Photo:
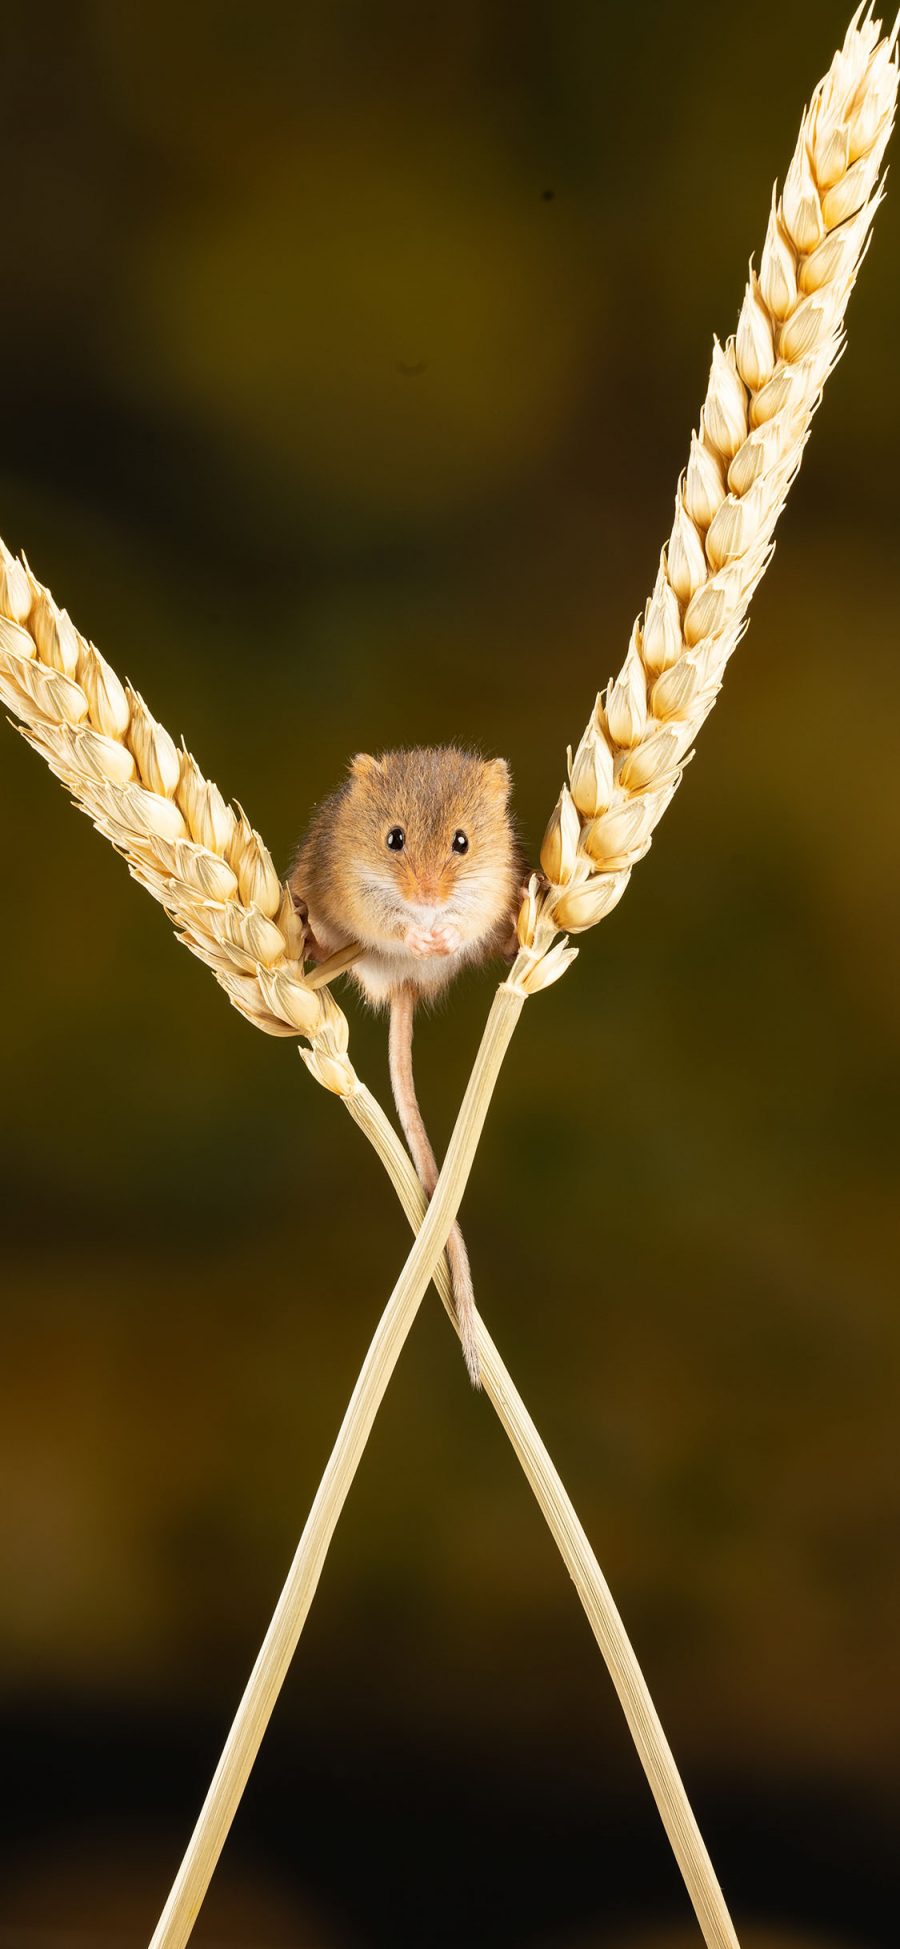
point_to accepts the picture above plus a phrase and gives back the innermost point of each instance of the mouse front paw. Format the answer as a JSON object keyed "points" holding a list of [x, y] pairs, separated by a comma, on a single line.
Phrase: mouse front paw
{"points": [[447, 939], [425, 942], [419, 942]]}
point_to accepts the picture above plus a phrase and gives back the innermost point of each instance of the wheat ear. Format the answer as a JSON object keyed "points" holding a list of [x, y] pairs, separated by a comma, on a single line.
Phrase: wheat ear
{"points": [[764, 386], [198, 856]]}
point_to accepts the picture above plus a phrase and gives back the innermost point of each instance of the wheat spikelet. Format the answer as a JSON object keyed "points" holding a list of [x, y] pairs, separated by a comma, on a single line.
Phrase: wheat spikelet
{"points": [[198, 856], [764, 386]]}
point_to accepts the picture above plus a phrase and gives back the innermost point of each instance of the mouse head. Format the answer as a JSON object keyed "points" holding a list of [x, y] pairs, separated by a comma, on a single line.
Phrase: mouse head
{"points": [[429, 833]]}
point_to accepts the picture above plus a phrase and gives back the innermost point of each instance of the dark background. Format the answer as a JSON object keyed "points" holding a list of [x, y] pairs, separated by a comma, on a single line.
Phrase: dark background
{"points": [[350, 355]]}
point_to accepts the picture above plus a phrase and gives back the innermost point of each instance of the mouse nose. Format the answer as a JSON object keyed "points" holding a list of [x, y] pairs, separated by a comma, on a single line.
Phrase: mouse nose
{"points": [[429, 890]]}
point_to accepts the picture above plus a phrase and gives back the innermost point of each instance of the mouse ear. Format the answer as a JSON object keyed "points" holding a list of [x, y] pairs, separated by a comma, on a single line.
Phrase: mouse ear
{"points": [[362, 765], [500, 775]]}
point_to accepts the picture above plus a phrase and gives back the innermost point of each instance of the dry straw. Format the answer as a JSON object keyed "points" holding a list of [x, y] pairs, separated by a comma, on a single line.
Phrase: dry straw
{"points": [[200, 858], [212, 873]]}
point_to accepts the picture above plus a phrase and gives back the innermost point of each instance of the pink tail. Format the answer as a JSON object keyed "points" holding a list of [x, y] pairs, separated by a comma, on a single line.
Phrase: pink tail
{"points": [[400, 1052]]}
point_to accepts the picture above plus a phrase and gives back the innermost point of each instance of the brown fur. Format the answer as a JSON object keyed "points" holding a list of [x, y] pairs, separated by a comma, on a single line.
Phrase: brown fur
{"points": [[421, 913], [431, 792]]}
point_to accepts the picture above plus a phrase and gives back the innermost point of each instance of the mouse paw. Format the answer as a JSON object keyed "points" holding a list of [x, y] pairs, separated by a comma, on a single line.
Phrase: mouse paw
{"points": [[419, 941], [425, 942], [447, 938]]}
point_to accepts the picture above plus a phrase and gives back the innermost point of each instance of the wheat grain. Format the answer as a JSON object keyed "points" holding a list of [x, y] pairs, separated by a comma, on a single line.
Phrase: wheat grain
{"points": [[198, 856], [764, 386]]}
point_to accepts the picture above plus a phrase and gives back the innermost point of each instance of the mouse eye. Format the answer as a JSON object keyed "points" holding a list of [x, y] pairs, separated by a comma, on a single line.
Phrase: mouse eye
{"points": [[460, 842], [395, 839]]}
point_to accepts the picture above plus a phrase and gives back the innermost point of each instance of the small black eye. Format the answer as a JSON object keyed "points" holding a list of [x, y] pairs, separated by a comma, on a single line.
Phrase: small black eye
{"points": [[460, 843], [395, 839]]}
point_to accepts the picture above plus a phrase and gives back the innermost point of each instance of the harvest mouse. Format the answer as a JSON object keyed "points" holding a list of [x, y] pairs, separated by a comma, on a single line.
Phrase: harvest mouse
{"points": [[415, 858]]}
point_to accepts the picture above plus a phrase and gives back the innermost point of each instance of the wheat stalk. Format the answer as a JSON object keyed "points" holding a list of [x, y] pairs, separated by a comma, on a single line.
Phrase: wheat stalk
{"points": [[574, 1547], [268, 1674], [432, 1223]]}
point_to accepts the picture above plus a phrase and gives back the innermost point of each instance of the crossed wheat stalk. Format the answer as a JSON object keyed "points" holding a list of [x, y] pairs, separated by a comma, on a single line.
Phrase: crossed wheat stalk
{"points": [[211, 871]]}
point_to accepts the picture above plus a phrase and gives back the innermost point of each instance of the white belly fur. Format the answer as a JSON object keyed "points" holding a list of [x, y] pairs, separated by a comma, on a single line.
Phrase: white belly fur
{"points": [[380, 970]]}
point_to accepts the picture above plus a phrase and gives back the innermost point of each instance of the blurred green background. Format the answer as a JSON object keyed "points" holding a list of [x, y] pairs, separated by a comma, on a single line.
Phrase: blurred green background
{"points": [[350, 355]]}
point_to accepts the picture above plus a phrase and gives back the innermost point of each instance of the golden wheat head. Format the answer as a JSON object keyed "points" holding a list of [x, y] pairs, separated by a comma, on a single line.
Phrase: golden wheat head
{"points": [[196, 854], [764, 386]]}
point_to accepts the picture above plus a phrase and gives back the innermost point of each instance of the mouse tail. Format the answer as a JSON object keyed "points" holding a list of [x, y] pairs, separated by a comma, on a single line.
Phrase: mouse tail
{"points": [[403, 1004]]}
